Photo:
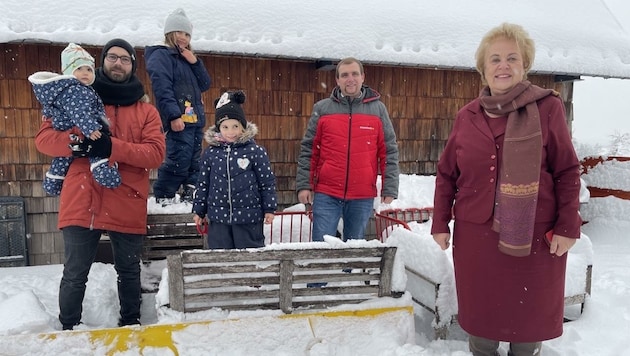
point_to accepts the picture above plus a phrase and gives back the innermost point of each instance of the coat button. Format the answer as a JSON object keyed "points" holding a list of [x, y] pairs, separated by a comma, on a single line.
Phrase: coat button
{"points": [[493, 156], [492, 168]]}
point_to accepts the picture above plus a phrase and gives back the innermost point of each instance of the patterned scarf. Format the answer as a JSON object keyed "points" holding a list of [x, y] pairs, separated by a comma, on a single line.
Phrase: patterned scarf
{"points": [[517, 189]]}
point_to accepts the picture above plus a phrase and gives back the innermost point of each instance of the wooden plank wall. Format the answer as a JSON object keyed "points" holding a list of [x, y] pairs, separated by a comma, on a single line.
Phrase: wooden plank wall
{"points": [[280, 97]]}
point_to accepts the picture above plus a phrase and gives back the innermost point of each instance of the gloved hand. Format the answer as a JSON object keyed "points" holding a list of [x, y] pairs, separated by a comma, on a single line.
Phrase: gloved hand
{"points": [[105, 126], [101, 147]]}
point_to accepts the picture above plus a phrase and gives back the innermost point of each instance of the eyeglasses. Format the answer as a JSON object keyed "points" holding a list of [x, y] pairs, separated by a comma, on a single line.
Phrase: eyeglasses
{"points": [[110, 57]]}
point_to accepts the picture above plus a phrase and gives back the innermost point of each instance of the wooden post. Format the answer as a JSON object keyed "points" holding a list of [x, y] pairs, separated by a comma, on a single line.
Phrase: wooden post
{"points": [[387, 269], [176, 282], [285, 290]]}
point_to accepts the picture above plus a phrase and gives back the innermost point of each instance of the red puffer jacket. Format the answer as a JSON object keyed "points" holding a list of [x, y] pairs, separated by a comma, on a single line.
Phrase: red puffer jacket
{"points": [[137, 146], [347, 144]]}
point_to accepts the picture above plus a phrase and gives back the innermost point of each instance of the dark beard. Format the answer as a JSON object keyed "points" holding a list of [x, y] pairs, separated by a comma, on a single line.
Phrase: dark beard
{"points": [[113, 92]]}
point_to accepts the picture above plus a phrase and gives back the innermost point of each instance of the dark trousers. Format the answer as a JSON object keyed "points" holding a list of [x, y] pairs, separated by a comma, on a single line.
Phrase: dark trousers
{"points": [[181, 164], [224, 236], [80, 247], [480, 346]]}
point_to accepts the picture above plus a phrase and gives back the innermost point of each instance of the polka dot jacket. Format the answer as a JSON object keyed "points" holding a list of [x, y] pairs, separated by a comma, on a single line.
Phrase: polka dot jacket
{"points": [[236, 184]]}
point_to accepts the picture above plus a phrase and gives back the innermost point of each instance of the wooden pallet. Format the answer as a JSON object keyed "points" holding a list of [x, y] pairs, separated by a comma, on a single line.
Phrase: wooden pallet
{"points": [[253, 279]]}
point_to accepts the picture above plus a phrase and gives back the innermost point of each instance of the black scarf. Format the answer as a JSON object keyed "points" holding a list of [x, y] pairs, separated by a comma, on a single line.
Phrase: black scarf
{"points": [[114, 93]]}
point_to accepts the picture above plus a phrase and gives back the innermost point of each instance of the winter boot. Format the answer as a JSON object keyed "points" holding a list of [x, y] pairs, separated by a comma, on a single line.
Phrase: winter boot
{"points": [[164, 202], [103, 173], [188, 193], [52, 184], [56, 174]]}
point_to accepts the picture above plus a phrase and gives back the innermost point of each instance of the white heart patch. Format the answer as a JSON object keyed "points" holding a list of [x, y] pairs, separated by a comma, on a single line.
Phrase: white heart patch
{"points": [[242, 162]]}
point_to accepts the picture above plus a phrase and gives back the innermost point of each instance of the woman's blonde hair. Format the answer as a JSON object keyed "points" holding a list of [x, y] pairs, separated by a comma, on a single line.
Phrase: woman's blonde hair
{"points": [[169, 40], [511, 32]]}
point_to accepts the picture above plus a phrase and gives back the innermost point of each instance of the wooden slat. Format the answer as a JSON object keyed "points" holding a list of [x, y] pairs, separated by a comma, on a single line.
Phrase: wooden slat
{"points": [[270, 255]]}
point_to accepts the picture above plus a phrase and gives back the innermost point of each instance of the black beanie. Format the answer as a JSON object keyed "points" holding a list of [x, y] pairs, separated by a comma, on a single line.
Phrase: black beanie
{"points": [[119, 42], [228, 106]]}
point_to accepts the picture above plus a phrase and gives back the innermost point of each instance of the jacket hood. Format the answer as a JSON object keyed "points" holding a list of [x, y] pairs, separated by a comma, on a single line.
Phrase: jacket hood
{"points": [[213, 138], [367, 94], [49, 85], [149, 50]]}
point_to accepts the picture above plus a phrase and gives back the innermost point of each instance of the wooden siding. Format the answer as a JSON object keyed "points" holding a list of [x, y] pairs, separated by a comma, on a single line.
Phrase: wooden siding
{"points": [[280, 95]]}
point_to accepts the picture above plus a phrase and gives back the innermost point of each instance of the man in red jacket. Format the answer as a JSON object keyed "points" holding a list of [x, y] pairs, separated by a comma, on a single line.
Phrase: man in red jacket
{"points": [[349, 141], [87, 209]]}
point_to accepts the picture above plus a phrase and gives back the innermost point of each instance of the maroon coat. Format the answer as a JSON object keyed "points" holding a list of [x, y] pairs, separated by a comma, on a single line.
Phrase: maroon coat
{"points": [[501, 297]]}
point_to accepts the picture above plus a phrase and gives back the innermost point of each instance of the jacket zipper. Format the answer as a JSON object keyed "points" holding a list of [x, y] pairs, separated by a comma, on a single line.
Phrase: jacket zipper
{"points": [[345, 187], [229, 180]]}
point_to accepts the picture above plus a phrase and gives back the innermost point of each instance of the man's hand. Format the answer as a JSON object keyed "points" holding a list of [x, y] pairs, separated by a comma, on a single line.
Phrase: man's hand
{"points": [[387, 200], [101, 147], [305, 196]]}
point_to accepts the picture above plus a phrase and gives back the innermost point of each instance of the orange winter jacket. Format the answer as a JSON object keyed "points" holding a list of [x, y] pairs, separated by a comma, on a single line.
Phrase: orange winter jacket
{"points": [[137, 146]]}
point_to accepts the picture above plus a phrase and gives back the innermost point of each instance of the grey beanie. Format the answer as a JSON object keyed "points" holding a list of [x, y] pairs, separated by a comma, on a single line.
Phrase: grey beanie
{"points": [[177, 21]]}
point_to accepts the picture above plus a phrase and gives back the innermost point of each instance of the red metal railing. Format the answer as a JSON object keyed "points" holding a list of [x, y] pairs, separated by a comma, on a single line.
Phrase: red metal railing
{"points": [[297, 226], [294, 226], [387, 220]]}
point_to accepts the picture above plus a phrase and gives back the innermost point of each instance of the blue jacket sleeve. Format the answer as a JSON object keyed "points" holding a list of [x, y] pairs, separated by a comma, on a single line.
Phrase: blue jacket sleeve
{"points": [[160, 68]]}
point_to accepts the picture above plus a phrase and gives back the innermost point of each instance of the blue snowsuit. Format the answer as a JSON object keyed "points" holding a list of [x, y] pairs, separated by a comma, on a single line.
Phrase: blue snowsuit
{"points": [[177, 86], [70, 103]]}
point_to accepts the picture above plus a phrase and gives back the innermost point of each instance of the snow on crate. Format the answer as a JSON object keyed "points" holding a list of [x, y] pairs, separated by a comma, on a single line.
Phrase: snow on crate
{"points": [[609, 174], [420, 253]]}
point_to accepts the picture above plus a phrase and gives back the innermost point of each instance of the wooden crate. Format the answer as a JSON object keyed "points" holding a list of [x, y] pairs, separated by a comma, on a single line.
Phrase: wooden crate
{"points": [[169, 234], [251, 279]]}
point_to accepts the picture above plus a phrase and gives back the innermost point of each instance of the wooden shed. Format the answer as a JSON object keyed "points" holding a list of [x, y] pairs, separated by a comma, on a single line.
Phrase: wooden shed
{"points": [[282, 84], [281, 93]]}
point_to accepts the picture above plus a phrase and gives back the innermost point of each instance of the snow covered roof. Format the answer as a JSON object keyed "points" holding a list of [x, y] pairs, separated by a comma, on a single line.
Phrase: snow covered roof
{"points": [[573, 38]]}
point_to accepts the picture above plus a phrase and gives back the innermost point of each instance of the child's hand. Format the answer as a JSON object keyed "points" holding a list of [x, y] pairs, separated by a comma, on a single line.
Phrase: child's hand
{"points": [[95, 135], [268, 218], [188, 55]]}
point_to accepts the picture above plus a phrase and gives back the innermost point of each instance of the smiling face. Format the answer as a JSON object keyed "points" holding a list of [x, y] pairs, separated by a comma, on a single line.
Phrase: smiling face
{"points": [[350, 79], [503, 65], [231, 130], [116, 70], [181, 39]]}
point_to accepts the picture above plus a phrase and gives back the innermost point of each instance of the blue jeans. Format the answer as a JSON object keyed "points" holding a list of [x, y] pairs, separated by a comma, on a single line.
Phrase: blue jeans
{"points": [[80, 247], [326, 213]]}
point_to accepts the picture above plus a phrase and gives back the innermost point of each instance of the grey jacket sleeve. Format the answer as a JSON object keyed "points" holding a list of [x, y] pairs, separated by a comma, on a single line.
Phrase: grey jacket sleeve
{"points": [[390, 178], [302, 181]]}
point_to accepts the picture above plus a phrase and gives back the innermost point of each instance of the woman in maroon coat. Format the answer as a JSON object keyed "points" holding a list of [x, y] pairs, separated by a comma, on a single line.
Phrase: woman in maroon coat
{"points": [[510, 177]]}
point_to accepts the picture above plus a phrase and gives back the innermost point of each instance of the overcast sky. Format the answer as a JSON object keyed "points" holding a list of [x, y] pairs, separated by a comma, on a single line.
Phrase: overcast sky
{"points": [[600, 109]]}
